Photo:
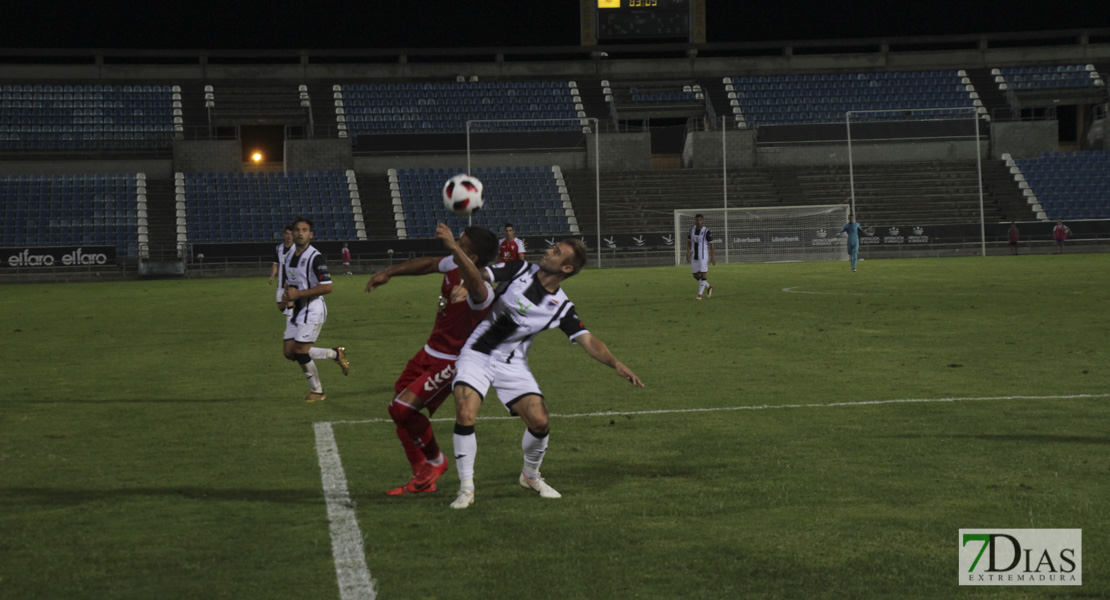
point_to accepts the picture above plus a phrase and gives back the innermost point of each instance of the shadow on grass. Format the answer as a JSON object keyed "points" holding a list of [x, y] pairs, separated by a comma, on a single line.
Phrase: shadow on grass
{"points": [[42, 496]]}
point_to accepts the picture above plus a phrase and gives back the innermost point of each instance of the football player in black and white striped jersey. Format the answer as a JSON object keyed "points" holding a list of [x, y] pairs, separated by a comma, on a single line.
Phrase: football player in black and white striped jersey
{"points": [[307, 282], [281, 256], [529, 300], [700, 254]]}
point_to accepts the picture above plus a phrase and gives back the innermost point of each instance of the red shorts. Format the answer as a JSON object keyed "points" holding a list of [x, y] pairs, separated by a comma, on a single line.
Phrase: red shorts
{"points": [[429, 378]]}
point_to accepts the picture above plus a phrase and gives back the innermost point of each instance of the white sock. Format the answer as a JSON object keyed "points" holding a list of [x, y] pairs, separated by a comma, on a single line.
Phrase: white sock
{"points": [[702, 284], [466, 446], [313, 376], [435, 462], [328, 353], [534, 449]]}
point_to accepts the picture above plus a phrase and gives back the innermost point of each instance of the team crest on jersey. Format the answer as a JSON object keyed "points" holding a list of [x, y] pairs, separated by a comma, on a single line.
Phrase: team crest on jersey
{"points": [[553, 303]]}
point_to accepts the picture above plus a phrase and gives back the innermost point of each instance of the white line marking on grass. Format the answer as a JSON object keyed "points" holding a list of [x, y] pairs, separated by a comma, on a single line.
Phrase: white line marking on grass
{"points": [[346, 538], [610, 413]]}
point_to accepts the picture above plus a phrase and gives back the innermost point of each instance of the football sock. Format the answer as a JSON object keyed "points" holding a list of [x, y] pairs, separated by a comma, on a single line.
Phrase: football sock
{"points": [[418, 428], [328, 353], [412, 451], [534, 447], [702, 284], [438, 460], [312, 375], [466, 446]]}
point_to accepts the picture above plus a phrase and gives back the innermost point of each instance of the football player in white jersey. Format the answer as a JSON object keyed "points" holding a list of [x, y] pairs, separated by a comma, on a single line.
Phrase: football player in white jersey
{"points": [[307, 282], [281, 256], [529, 301], [700, 254]]}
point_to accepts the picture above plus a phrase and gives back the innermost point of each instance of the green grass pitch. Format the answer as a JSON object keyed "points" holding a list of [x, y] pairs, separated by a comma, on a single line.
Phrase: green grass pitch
{"points": [[153, 443]]}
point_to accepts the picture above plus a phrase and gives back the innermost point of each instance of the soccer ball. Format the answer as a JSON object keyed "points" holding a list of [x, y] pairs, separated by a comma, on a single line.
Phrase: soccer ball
{"points": [[462, 194]]}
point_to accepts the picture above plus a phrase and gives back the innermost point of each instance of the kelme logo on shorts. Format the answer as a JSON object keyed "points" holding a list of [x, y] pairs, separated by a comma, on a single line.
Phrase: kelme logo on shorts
{"points": [[1021, 557]]}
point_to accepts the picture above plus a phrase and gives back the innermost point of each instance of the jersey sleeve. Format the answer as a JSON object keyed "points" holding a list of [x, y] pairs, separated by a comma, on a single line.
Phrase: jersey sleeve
{"points": [[508, 270], [277, 255], [520, 246], [490, 297], [446, 264], [320, 268], [708, 235], [571, 324]]}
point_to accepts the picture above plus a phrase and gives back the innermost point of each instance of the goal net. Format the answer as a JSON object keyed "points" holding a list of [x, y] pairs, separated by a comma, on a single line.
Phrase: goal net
{"points": [[772, 234], [918, 167]]}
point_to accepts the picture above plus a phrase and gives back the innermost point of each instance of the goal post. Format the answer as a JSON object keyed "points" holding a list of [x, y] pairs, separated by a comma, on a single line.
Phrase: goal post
{"points": [[767, 234], [916, 142]]}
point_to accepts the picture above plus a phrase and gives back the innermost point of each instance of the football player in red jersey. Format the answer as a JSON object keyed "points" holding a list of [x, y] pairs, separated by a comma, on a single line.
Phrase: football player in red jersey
{"points": [[426, 381], [509, 247]]}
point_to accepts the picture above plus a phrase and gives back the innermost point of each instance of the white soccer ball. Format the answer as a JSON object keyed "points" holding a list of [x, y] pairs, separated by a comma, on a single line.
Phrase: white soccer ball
{"points": [[462, 194]]}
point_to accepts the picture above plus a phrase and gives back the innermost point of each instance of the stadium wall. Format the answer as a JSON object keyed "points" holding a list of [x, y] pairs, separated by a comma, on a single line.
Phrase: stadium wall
{"points": [[705, 148], [621, 151], [868, 153], [378, 165], [318, 155], [1024, 139], [203, 156], [154, 169]]}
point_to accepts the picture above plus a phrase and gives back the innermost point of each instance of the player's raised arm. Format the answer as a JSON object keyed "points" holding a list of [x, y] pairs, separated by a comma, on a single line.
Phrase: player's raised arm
{"points": [[600, 352], [415, 266], [471, 277]]}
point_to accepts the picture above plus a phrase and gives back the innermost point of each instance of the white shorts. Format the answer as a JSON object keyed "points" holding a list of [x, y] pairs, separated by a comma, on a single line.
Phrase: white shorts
{"points": [[511, 380], [303, 333], [699, 265]]}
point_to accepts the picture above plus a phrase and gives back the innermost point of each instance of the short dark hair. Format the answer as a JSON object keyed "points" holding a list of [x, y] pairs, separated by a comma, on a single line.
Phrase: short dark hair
{"points": [[579, 259], [301, 219], [483, 243], [699, 216], [288, 228]]}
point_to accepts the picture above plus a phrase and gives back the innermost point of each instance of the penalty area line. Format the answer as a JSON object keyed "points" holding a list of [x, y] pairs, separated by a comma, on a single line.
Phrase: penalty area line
{"points": [[351, 571], [673, 411]]}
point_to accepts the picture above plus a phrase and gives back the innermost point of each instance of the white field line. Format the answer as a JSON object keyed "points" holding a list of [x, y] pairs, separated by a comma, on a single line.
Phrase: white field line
{"points": [[764, 407], [346, 538]]}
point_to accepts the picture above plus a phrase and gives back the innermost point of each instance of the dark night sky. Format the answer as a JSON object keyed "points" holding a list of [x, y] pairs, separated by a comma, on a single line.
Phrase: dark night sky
{"points": [[400, 24]]}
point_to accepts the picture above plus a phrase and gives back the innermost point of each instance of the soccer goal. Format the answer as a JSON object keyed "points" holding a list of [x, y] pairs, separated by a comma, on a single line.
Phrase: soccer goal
{"points": [[917, 166], [772, 234]]}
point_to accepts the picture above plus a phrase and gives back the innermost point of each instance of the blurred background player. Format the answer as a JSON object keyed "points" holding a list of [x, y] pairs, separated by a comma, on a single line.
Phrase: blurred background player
{"points": [[852, 230], [281, 254], [346, 252], [307, 282], [496, 355], [426, 381], [1013, 235], [1060, 235], [700, 254], [509, 247]]}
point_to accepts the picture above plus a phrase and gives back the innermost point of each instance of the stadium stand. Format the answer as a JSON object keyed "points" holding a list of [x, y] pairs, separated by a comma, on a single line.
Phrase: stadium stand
{"points": [[534, 199], [774, 99], [88, 117], [1055, 77], [438, 107], [74, 210], [1072, 185], [254, 207]]}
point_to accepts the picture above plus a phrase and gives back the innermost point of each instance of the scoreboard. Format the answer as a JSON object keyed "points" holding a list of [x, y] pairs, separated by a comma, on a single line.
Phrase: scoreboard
{"points": [[645, 20]]}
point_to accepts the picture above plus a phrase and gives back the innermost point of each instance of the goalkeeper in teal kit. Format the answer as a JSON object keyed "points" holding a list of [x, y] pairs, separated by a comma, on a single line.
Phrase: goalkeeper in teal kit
{"points": [[853, 230]]}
